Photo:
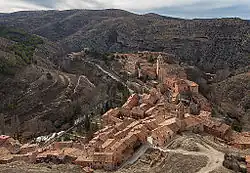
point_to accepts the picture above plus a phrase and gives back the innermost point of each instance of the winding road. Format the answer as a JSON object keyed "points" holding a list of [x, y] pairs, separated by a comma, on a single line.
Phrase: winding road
{"points": [[215, 158], [111, 75]]}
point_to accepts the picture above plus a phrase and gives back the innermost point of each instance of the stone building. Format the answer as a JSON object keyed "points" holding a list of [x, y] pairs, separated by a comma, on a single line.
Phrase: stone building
{"points": [[132, 101], [10, 144], [162, 135], [218, 129], [241, 140], [180, 111], [181, 85], [144, 70], [193, 124], [159, 68], [76, 56], [192, 86]]}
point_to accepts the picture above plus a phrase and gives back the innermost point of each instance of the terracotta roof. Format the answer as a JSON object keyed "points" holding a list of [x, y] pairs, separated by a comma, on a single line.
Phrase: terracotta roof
{"points": [[192, 121], [172, 124], [191, 83], [112, 112], [108, 143], [163, 130], [103, 157], [133, 124], [216, 125], [248, 159], [150, 124], [130, 138], [3, 137], [118, 146], [131, 102], [151, 110], [242, 138]]}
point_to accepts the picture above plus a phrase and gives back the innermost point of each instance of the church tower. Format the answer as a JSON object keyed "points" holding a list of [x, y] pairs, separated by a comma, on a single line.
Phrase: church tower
{"points": [[138, 72], [159, 68], [180, 110]]}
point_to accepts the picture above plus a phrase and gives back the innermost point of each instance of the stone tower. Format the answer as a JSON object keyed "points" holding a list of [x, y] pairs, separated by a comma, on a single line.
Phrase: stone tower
{"points": [[138, 72], [159, 67], [180, 110]]}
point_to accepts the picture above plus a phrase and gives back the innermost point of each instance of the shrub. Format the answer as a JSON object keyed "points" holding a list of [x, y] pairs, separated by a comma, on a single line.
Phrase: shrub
{"points": [[237, 127], [49, 76], [151, 59]]}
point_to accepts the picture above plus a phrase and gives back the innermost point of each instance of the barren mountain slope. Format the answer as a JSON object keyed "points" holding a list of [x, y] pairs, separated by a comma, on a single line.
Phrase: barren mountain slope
{"points": [[232, 96], [37, 97], [210, 44]]}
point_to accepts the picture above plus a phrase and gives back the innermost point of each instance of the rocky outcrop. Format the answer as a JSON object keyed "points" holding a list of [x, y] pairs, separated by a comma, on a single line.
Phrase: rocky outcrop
{"points": [[232, 161]]}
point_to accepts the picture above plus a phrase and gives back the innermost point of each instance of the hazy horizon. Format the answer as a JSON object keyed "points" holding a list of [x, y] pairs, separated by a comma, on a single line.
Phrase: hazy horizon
{"points": [[188, 9]]}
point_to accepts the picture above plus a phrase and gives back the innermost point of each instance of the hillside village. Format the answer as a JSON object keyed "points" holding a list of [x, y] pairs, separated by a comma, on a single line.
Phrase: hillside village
{"points": [[172, 105]]}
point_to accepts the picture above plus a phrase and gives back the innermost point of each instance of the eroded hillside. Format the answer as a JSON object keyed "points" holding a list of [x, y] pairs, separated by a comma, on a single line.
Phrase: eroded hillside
{"points": [[38, 98]]}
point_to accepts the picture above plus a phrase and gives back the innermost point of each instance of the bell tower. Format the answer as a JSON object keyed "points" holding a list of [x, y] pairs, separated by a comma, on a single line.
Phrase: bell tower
{"points": [[180, 110], [159, 67]]}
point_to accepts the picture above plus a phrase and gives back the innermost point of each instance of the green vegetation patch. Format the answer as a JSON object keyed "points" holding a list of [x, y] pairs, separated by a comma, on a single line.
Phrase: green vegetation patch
{"points": [[8, 65], [24, 47]]}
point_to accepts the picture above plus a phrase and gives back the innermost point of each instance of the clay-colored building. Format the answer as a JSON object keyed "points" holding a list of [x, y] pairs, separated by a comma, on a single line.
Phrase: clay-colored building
{"points": [[217, 129], [149, 99], [132, 101], [173, 123], [241, 140], [9, 143], [181, 85], [111, 117], [193, 124], [99, 160], [162, 135]]}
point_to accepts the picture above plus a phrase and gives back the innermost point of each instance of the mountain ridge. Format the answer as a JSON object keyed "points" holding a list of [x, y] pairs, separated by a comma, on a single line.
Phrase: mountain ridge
{"points": [[209, 44]]}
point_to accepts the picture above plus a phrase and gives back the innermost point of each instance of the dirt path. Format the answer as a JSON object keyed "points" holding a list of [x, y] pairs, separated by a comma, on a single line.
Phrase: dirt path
{"points": [[112, 76], [79, 80], [215, 161], [215, 158]]}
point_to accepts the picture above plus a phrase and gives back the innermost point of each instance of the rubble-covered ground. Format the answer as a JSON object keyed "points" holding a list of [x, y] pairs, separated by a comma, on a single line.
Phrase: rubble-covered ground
{"points": [[22, 167]]}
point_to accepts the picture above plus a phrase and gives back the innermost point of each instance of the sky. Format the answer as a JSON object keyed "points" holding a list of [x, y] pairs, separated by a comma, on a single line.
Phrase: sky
{"points": [[175, 8]]}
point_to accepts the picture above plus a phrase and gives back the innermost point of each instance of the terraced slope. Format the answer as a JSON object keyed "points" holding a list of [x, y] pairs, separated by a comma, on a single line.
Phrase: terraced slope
{"points": [[38, 98]]}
